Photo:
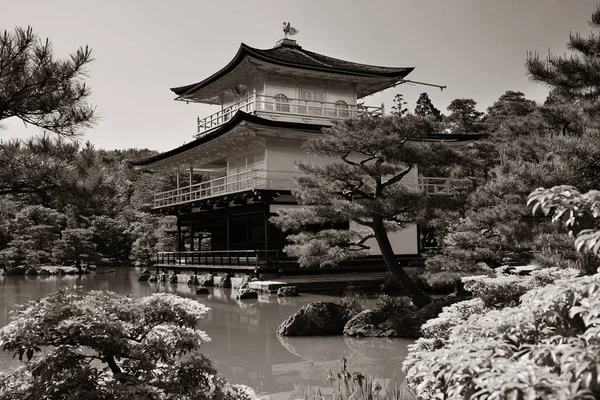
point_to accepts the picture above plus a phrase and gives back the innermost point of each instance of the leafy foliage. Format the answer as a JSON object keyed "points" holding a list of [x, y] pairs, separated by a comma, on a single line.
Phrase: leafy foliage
{"points": [[103, 345], [547, 347], [63, 202], [579, 213]]}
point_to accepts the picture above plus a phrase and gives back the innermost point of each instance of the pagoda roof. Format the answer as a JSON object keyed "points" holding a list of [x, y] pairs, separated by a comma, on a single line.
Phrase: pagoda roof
{"points": [[237, 119], [289, 54], [241, 117]]}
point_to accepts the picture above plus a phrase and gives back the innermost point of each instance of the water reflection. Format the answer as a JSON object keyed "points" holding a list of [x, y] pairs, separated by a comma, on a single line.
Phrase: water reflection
{"points": [[244, 346]]}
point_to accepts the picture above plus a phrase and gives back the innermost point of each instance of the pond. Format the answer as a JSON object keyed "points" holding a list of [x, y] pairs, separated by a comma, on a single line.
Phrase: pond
{"points": [[244, 347]]}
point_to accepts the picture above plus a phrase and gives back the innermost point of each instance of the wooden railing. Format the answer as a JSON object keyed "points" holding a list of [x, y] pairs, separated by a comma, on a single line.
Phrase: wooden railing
{"points": [[253, 179], [288, 106], [233, 258], [266, 179]]}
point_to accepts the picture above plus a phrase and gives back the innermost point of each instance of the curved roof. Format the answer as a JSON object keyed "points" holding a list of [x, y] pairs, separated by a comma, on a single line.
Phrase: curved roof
{"points": [[289, 54], [239, 117]]}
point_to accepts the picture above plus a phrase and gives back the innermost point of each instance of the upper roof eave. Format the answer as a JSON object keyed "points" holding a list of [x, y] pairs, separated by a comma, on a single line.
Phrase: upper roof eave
{"points": [[245, 51]]}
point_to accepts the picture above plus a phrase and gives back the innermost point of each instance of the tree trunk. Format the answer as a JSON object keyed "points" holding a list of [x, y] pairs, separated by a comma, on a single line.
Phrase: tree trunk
{"points": [[418, 296]]}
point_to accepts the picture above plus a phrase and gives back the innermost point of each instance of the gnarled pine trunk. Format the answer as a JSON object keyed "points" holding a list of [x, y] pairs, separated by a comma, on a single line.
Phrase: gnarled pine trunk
{"points": [[417, 295]]}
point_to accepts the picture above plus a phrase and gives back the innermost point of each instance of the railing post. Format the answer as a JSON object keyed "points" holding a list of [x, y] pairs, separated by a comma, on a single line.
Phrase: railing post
{"points": [[254, 99], [382, 109]]}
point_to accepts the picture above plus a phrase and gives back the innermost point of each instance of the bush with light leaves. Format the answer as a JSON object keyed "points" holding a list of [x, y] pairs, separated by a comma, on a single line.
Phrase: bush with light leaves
{"points": [[548, 347], [505, 289], [545, 347], [103, 345]]}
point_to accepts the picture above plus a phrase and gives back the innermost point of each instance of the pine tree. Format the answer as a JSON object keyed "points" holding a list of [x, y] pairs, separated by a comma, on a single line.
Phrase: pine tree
{"points": [[38, 88], [425, 108], [465, 115], [510, 105], [363, 185]]}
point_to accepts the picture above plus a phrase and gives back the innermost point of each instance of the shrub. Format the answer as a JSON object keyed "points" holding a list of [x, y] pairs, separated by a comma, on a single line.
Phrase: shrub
{"points": [[505, 290], [441, 282], [386, 303], [103, 345], [547, 347], [352, 303]]}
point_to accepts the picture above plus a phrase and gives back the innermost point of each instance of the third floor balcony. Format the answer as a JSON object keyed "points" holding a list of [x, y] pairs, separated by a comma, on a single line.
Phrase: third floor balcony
{"points": [[289, 109]]}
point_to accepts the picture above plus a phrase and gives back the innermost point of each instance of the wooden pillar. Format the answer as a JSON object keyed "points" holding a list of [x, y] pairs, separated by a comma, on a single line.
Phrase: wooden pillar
{"points": [[191, 235], [178, 244], [228, 223], [267, 211]]}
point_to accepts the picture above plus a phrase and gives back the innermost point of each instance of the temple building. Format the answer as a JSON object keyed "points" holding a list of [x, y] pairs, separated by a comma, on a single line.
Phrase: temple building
{"points": [[240, 167]]}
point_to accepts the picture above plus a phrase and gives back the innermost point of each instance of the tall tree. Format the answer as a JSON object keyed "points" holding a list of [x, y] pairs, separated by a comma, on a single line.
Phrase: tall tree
{"points": [[38, 88], [425, 108], [464, 114], [510, 105], [364, 185], [399, 107]]}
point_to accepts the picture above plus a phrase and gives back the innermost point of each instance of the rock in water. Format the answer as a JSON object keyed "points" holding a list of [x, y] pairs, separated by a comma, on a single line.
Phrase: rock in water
{"points": [[313, 319], [202, 290], [18, 270], [244, 294], [31, 271], [144, 276], [222, 281], [173, 278], [153, 278], [287, 291], [207, 280]]}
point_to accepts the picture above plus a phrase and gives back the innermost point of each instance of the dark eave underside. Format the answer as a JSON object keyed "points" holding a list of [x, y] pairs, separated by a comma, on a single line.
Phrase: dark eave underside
{"points": [[296, 57], [238, 118]]}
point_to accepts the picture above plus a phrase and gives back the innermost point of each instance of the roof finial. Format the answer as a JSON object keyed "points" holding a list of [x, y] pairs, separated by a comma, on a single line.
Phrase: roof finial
{"points": [[289, 30]]}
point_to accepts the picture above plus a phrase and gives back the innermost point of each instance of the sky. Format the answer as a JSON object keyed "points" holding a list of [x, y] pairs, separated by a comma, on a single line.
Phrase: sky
{"points": [[477, 48]]}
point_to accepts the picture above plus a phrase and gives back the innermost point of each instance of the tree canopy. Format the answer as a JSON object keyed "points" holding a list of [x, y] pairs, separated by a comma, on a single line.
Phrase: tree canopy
{"points": [[368, 182], [102, 345]]}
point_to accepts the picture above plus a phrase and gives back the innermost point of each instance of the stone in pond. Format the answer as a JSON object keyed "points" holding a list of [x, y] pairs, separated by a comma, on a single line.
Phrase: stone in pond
{"points": [[202, 290], [287, 291], [245, 294]]}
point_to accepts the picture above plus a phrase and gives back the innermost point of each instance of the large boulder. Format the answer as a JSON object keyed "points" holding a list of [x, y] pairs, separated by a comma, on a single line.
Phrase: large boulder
{"points": [[18, 270], [207, 280], [400, 322], [222, 281], [376, 322], [287, 291], [319, 318]]}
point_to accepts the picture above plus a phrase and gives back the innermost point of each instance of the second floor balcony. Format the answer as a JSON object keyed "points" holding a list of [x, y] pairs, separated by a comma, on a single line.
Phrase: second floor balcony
{"points": [[300, 110], [266, 180]]}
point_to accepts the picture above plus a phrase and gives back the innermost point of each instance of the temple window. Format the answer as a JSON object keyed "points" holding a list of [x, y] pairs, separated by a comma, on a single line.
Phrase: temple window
{"points": [[341, 109], [282, 103]]}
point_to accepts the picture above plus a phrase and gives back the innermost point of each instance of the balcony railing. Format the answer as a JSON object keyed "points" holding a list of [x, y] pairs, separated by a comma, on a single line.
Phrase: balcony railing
{"points": [[288, 106], [254, 179], [266, 179]]}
